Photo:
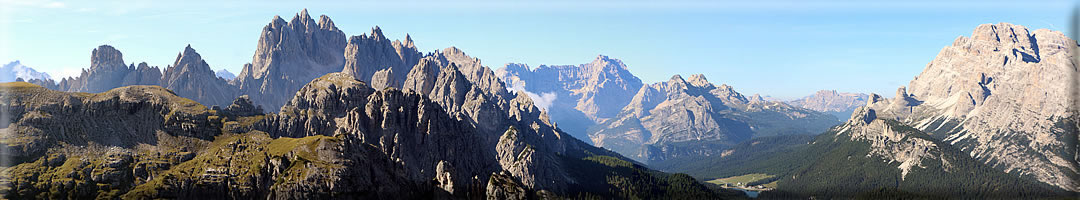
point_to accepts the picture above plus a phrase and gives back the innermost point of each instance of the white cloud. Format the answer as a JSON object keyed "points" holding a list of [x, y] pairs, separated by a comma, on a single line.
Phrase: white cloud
{"points": [[542, 101]]}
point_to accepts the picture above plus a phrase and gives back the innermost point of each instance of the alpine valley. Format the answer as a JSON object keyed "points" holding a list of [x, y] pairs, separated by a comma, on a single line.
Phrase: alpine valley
{"points": [[318, 115]]}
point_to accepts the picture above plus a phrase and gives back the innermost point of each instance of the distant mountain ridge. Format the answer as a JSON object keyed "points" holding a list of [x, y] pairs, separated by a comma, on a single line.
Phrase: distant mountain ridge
{"points": [[839, 104], [16, 70], [225, 74], [580, 95], [692, 117]]}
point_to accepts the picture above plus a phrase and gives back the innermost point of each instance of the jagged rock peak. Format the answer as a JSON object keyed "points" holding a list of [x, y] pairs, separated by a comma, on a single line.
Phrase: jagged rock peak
{"points": [[106, 57], [676, 78], [517, 67], [409, 41], [303, 13], [698, 80], [302, 18], [1002, 32], [326, 24], [455, 54], [188, 56], [874, 98], [605, 63], [376, 34]]}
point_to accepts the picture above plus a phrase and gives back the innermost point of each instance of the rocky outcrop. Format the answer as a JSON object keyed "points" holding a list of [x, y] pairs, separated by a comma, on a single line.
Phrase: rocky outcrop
{"points": [[289, 55], [576, 96], [369, 54], [190, 76], [692, 117], [123, 117], [839, 104], [1000, 96]]}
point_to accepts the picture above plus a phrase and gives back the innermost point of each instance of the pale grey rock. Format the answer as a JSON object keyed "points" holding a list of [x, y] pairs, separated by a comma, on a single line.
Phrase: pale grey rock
{"points": [[422, 77], [383, 78], [444, 175], [1000, 96], [367, 54], [502, 186], [289, 55], [191, 77]]}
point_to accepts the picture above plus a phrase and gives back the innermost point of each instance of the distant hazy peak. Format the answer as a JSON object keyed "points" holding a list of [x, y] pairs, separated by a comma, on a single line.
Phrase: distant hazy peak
{"points": [[225, 74], [14, 70]]}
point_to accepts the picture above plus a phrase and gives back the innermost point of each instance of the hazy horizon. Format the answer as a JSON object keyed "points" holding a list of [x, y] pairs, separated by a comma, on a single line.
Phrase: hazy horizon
{"points": [[783, 49]]}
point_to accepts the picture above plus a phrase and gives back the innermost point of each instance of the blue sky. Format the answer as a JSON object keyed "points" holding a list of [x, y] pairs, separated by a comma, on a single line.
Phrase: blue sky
{"points": [[784, 49]]}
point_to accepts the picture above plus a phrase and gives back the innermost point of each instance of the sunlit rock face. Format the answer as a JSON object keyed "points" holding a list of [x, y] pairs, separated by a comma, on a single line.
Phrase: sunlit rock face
{"points": [[290, 54], [1001, 96], [576, 96]]}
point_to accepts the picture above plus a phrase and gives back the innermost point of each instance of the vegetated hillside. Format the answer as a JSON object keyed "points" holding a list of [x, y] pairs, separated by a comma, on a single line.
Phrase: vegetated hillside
{"points": [[744, 157]]}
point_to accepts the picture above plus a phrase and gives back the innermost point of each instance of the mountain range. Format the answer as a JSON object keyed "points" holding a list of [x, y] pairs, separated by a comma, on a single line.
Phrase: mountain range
{"points": [[995, 100], [317, 114], [437, 126], [839, 104]]}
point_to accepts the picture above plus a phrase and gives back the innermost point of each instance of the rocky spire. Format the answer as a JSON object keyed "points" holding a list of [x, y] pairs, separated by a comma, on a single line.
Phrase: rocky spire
{"points": [[289, 54], [191, 77], [106, 58], [365, 55]]}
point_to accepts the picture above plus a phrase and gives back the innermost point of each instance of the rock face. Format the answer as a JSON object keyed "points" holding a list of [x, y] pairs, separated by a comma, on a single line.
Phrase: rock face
{"points": [[838, 104], [692, 117], [191, 77], [16, 70], [1000, 96], [576, 96], [289, 55], [107, 71], [371, 55]]}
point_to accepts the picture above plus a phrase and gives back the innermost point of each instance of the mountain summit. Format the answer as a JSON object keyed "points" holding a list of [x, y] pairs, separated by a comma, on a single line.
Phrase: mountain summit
{"points": [[579, 96], [1001, 95], [290, 54]]}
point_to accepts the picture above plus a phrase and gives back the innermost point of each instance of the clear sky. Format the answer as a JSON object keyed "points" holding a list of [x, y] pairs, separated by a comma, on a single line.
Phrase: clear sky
{"points": [[784, 49]]}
